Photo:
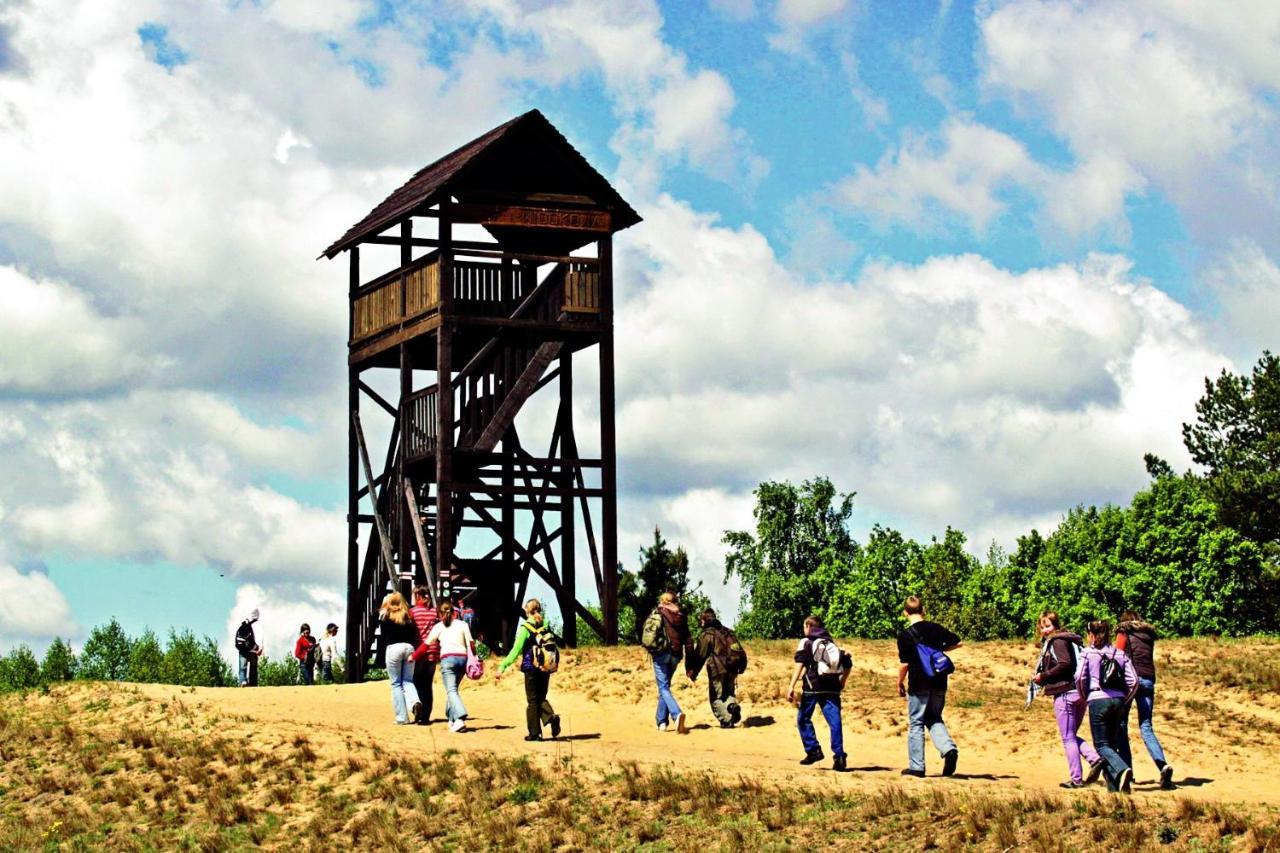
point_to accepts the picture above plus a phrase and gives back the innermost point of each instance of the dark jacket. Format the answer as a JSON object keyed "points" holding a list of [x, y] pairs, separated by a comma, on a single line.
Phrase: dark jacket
{"points": [[814, 683], [1138, 640], [245, 641], [1057, 665], [677, 628], [709, 649], [390, 633]]}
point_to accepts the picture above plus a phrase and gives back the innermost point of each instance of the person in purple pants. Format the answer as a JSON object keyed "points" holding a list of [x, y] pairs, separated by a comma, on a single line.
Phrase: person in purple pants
{"points": [[1055, 673]]}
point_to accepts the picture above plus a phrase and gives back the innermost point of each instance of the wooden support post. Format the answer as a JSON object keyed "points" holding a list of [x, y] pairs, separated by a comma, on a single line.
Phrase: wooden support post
{"points": [[411, 503], [444, 413], [384, 538], [510, 586], [608, 448], [568, 452], [354, 664]]}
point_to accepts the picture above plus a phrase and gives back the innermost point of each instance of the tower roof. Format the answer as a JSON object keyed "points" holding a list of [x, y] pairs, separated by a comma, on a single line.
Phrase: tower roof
{"points": [[526, 153]]}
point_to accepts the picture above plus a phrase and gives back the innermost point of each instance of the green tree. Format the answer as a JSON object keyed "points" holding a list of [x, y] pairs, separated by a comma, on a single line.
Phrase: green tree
{"points": [[285, 673], [146, 659], [194, 663], [868, 601], [106, 654], [19, 670], [1236, 437], [59, 663], [661, 569], [800, 550]]}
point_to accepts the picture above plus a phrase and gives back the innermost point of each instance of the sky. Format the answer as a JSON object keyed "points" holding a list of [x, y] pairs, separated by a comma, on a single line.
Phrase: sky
{"points": [[968, 260]]}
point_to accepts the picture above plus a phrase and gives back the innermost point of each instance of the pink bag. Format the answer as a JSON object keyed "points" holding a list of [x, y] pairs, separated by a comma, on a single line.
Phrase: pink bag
{"points": [[475, 666]]}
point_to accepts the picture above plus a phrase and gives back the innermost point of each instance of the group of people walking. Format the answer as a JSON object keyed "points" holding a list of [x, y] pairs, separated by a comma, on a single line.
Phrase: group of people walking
{"points": [[307, 651], [1087, 677]]}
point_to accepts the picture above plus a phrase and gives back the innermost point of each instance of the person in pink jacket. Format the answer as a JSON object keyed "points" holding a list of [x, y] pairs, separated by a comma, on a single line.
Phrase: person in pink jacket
{"points": [[1056, 675], [1108, 682]]}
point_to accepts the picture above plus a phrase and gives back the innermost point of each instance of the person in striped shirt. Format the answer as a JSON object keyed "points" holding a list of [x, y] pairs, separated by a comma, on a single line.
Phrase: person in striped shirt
{"points": [[424, 616]]}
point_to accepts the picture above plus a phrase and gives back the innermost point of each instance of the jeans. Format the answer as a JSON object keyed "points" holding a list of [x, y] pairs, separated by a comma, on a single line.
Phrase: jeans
{"points": [[249, 670], [538, 711], [400, 671], [1145, 700], [830, 704], [720, 691], [924, 711], [424, 672], [664, 666], [326, 669], [1070, 709], [1105, 718], [308, 671], [452, 670]]}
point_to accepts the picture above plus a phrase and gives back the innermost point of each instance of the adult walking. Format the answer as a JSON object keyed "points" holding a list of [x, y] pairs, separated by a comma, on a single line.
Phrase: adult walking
{"points": [[249, 650], [724, 658], [454, 638], [665, 636], [822, 668], [397, 638], [1137, 639], [304, 649], [925, 692], [1109, 682], [328, 651], [537, 681], [1055, 673], [425, 660]]}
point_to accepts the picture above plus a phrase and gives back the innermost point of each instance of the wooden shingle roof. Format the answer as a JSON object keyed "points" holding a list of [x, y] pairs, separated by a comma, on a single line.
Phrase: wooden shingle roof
{"points": [[433, 181]]}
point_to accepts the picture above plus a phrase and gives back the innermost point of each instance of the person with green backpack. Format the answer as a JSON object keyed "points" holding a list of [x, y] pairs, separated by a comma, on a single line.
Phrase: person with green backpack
{"points": [[725, 659], [535, 646], [665, 636]]}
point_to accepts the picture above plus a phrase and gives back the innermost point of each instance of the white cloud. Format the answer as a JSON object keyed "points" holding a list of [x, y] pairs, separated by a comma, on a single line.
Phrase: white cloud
{"points": [[32, 609], [798, 19], [1246, 285]]}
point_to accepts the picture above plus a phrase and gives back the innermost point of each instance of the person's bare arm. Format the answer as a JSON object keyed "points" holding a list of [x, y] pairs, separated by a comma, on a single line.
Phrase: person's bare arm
{"points": [[795, 678], [903, 669]]}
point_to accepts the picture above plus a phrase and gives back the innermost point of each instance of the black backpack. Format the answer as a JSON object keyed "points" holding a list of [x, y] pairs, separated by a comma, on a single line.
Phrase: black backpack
{"points": [[1111, 675]]}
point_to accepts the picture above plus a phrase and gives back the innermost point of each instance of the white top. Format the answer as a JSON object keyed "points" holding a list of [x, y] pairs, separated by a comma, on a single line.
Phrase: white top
{"points": [[329, 647], [454, 638]]}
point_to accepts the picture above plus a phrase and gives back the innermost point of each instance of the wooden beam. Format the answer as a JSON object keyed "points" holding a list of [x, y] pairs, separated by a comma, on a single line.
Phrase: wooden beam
{"points": [[377, 398], [368, 476], [429, 569]]}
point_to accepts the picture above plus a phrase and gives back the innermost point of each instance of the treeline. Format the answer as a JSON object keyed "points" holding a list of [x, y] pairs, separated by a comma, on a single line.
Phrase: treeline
{"points": [[1195, 554], [109, 654]]}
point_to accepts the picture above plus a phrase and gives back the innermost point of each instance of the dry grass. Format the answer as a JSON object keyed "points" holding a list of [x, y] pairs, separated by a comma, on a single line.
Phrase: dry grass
{"points": [[97, 766]]}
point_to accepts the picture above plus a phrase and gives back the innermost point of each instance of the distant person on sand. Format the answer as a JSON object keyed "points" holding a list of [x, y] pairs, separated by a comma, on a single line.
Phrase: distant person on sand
{"points": [[454, 638], [305, 651], [822, 669], [397, 638], [1109, 682], [1137, 639], [665, 635], [427, 654], [328, 651], [535, 646], [925, 691], [725, 660], [250, 651], [1056, 675]]}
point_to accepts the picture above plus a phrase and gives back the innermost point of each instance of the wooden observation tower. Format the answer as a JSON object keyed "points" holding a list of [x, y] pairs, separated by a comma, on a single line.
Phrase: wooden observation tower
{"points": [[500, 259]]}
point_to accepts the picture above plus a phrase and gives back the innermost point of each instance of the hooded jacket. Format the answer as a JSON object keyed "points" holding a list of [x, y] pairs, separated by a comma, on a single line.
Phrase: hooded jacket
{"points": [[1057, 666], [1138, 640], [677, 628]]}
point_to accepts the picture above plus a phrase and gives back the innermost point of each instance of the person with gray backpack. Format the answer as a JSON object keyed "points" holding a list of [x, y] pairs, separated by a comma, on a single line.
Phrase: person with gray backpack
{"points": [[725, 659], [665, 636], [922, 680], [822, 667], [535, 646]]}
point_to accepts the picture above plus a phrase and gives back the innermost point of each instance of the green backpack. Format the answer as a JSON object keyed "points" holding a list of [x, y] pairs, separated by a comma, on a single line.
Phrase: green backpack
{"points": [[653, 636]]}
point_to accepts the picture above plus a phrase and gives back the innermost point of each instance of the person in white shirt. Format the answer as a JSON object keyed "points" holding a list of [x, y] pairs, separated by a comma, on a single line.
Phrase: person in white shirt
{"points": [[454, 637], [329, 651]]}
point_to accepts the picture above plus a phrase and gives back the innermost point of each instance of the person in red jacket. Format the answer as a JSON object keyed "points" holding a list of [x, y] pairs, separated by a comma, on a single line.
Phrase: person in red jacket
{"points": [[305, 651], [425, 659]]}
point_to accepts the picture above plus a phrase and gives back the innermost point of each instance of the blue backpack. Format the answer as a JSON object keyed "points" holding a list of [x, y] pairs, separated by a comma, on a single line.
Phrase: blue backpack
{"points": [[933, 661]]}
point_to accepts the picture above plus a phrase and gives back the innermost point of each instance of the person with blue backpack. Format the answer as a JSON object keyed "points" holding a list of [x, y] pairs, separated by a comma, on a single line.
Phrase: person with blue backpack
{"points": [[1108, 681], [922, 680], [535, 647], [1056, 671]]}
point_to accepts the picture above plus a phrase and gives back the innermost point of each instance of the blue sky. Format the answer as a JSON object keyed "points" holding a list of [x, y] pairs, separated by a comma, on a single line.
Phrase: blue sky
{"points": [[969, 260]]}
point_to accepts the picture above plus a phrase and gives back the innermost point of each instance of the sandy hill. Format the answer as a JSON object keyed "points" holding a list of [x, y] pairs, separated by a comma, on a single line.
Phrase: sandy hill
{"points": [[93, 765]]}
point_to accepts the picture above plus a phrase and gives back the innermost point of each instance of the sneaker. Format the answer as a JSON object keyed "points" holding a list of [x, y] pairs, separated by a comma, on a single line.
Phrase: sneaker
{"points": [[416, 713], [1166, 778], [726, 725], [838, 763], [533, 737], [949, 762], [812, 757], [1125, 782], [1095, 770], [919, 774], [457, 725], [680, 726], [662, 727], [735, 714], [1073, 784], [555, 725]]}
